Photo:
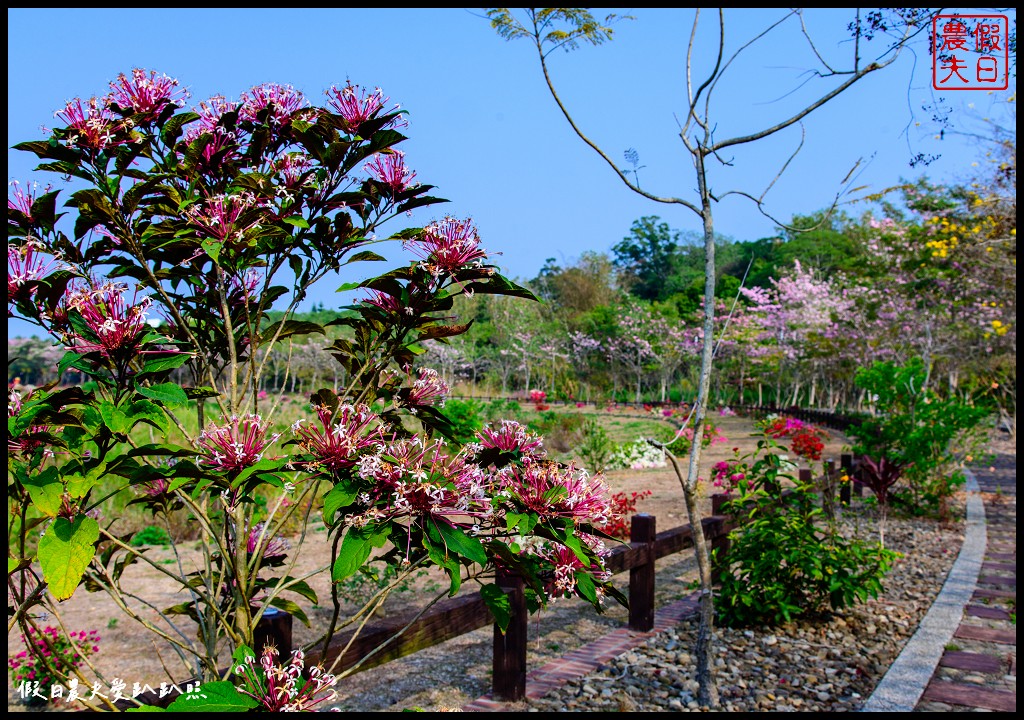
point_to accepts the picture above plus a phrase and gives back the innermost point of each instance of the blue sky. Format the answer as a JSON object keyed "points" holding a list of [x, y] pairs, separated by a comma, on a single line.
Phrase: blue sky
{"points": [[483, 128]]}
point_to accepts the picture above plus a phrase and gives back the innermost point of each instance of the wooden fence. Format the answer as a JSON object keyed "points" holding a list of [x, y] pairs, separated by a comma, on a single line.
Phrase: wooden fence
{"points": [[397, 637]]}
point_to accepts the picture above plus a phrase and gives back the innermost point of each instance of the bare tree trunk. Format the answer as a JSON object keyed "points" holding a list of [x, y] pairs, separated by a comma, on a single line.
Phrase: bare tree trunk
{"points": [[708, 694]]}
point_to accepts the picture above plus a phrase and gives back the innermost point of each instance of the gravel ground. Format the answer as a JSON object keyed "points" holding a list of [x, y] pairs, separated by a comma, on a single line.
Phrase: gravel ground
{"points": [[831, 665]]}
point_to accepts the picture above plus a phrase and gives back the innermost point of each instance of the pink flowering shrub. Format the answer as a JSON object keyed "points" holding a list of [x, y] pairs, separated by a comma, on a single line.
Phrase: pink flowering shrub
{"points": [[194, 237], [537, 397], [51, 656]]}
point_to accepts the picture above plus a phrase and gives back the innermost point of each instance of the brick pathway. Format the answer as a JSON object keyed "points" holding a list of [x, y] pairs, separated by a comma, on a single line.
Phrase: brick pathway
{"points": [[587, 659], [978, 669]]}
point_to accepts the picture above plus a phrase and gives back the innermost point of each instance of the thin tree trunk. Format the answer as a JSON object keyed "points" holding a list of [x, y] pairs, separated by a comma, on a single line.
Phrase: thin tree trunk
{"points": [[708, 694]]}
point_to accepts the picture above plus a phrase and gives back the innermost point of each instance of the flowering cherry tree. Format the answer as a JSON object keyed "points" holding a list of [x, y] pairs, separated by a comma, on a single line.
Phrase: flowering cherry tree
{"points": [[186, 227]]}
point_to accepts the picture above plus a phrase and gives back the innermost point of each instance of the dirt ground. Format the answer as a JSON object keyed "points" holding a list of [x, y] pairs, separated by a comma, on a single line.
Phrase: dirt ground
{"points": [[130, 653]]}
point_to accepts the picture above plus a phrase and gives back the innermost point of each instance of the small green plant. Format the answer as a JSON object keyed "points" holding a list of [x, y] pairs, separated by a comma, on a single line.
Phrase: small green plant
{"points": [[151, 535], [919, 432], [464, 418], [502, 409], [953, 647], [595, 450], [781, 563], [111, 623], [561, 432]]}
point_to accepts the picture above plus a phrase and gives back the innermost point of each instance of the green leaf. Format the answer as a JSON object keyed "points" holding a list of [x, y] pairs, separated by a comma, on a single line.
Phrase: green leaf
{"points": [[173, 127], [78, 486], [212, 248], [65, 550], [71, 359], [297, 221], [585, 586], [335, 499], [291, 608], [288, 328], [462, 544], [365, 256], [144, 410], [356, 548], [164, 362], [211, 697], [499, 605], [169, 394], [241, 655], [46, 490], [198, 393]]}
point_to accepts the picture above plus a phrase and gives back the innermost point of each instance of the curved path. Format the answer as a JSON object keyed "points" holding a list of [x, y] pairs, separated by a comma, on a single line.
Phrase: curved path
{"points": [[964, 653]]}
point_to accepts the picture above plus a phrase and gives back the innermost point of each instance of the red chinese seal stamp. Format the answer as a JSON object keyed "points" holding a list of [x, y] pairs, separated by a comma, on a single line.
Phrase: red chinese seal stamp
{"points": [[970, 52]]}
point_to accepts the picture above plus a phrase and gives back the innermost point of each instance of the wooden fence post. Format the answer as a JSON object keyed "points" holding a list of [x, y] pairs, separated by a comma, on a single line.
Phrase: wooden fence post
{"points": [[509, 666], [805, 476], [828, 489], [642, 576], [846, 464], [858, 484], [274, 629]]}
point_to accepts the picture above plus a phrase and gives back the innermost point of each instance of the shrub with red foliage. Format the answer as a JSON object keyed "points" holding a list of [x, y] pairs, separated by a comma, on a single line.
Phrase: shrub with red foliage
{"points": [[623, 508]]}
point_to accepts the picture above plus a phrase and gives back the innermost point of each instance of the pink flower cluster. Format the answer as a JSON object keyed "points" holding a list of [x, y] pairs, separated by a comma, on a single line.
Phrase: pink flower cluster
{"points": [[448, 246], [728, 474], [389, 169], [51, 646], [414, 478], [355, 105], [235, 445], [566, 564], [281, 688], [512, 437], [552, 491], [341, 438], [27, 264], [114, 325], [146, 94], [428, 388]]}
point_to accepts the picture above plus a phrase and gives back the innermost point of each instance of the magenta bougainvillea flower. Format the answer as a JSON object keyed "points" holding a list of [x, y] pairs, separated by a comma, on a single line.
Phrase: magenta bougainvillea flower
{"points": [[237, 444]]}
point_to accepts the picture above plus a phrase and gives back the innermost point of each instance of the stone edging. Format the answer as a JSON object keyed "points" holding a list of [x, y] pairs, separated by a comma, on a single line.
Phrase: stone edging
{"points": [[905, 682]]}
